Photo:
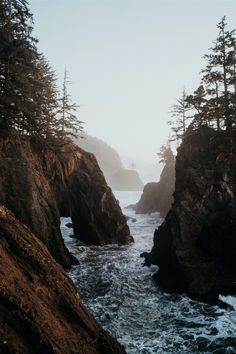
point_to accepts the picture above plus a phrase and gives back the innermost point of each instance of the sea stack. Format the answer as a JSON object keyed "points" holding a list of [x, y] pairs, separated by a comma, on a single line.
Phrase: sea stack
{"points": [[195, 246]]}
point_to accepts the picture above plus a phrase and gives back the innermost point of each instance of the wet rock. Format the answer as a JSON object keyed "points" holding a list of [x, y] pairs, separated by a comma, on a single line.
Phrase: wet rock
{"points": [[195, 246], [69, 225], [144, 254], [129, 218], [40, 308], [39, 186]]}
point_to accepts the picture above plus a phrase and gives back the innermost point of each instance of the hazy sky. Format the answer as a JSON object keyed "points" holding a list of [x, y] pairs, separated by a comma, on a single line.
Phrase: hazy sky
{"points": [[129, 61]]}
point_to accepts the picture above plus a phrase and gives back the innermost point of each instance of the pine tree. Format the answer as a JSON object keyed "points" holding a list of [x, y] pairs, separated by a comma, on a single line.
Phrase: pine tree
{"points": [[180, 114], [233, 79], [218, 74], [47, 100], [69, 124], [18, 55], [166, 154], [199, 104]]}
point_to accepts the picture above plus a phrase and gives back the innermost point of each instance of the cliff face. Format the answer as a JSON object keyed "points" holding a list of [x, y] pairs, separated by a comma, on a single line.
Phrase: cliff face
{"points": [[39, 305], [158, 196], [195, 246], [40, 186]]}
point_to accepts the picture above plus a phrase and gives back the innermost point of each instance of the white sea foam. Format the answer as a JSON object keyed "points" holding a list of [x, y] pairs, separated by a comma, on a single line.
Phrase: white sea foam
{"points": [[121, 294]]}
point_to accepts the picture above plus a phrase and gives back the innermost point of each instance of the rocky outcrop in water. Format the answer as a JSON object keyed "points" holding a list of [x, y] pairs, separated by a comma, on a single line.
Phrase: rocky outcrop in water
{"points": [[108, 158], [117, 177], [40, 308], [158, 196], [39, 186], [195, 246], [126, 180]]}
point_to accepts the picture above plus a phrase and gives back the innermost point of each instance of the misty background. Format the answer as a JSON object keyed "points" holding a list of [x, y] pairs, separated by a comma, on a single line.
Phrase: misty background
{"points": [[128, 61]]}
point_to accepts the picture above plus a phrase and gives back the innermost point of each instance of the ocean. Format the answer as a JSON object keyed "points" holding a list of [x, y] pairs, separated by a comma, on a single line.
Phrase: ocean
{"points": [[120, 293]]}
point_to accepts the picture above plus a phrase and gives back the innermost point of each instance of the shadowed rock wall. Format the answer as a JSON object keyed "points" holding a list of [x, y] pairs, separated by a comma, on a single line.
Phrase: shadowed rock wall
{"points": [[195, 246], [40, 309], [39, 186]]}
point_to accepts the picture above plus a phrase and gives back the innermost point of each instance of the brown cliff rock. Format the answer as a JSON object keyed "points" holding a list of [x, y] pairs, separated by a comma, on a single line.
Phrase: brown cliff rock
{"points": [[40, 309], [195, 246], [39, 186]]}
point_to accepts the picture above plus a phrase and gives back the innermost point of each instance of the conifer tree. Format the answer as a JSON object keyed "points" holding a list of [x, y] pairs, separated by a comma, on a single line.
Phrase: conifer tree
{"points": [[17, 66], [218, 73], [69, 124], [179, 113], [233, 78], [199, 104], [47, 100], [166, 154]]}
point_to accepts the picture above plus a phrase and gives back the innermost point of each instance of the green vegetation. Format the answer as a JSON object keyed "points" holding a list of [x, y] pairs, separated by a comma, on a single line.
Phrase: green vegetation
{"points": [[214, 101], [30, 102], [165, 154]]}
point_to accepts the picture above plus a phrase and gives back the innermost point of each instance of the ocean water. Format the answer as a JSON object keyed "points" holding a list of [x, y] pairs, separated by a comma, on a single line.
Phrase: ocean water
{"points": [[120, 292]]}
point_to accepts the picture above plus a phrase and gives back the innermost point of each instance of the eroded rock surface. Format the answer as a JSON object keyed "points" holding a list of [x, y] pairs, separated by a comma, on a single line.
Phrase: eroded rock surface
{"points": [[195, 246], [40, 309], [39, 186]]}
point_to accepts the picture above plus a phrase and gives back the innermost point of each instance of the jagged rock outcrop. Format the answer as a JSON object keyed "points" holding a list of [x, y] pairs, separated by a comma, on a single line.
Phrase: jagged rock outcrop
{"points": [[195, 246], [158, 196], [40, 309], [40, 186], [126, 180], [108, 158], [117, 177]]}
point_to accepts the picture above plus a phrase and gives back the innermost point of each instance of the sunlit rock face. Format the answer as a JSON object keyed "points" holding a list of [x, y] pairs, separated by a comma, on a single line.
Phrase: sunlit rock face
{"points": [[158, 196], [40, 308], [39, 186], [195, 246]]}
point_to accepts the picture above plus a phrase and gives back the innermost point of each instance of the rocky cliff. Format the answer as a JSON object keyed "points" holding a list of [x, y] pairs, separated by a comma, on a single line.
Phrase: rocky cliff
{"points": [[39, 186], [158, 196], [117, 177], [195, 246], [108, 158], [40, 308]]}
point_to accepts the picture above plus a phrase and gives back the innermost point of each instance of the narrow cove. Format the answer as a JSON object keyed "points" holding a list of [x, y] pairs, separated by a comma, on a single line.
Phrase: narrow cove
{"points": [[122, 296]]}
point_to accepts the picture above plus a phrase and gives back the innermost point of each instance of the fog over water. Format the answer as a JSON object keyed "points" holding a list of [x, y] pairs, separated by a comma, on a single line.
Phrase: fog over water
{"points": [[128, 61]]}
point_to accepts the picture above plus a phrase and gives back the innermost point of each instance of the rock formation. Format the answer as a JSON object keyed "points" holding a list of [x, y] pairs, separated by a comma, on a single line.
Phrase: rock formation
{"points": [[195, 246], [40, 186], [158, 196], [108, 158], [126, 180], [117, 177], [40, 308]]}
